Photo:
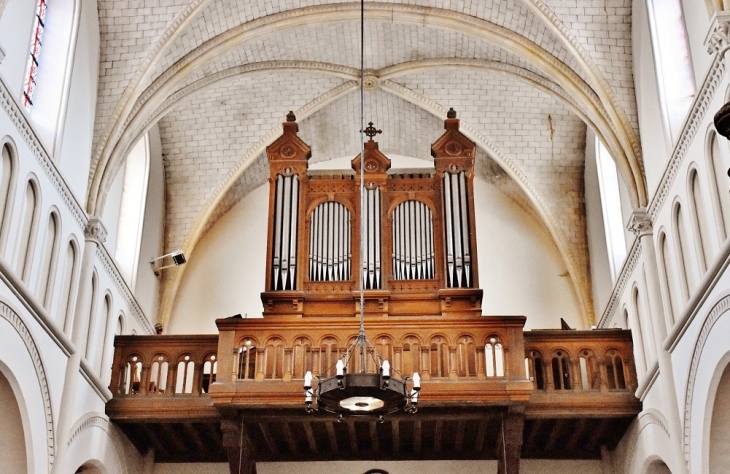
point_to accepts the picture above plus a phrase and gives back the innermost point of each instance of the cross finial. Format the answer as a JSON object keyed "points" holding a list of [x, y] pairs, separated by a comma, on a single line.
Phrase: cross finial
{"points": [[371, 131]]}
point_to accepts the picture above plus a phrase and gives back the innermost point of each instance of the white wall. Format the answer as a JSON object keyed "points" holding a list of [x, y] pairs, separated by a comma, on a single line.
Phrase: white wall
{"points": [[521, 270], [601, 283], [147, 284], [75, 153], [15, 31]]}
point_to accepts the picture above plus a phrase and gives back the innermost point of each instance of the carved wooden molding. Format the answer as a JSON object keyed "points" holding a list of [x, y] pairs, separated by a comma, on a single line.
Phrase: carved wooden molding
{"points": [[7, 313]]}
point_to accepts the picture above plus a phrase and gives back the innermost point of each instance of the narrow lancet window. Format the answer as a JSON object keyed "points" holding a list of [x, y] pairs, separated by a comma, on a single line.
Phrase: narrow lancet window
{"points": [[39, 24]]}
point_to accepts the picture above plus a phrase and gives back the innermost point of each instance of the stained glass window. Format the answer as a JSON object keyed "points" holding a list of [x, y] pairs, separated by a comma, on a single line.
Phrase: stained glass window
{"points": [[35, 50]]}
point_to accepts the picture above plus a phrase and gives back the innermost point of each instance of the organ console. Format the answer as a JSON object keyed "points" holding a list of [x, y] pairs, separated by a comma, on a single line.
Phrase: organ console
{"points": [[419, 256]]}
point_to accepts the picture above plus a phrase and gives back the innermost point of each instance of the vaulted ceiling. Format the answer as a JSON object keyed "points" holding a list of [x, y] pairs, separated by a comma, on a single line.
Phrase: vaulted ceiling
{"points": [[527, 77]]}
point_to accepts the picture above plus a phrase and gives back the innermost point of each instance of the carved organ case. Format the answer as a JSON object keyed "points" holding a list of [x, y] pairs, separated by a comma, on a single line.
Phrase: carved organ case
{"points": [[419, 256]]}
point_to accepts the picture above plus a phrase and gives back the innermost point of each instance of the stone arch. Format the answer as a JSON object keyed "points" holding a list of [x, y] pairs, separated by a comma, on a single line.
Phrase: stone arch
{"points": [[578, 276], [627, 156], [8, 314], [720, 308], [87, 427]]}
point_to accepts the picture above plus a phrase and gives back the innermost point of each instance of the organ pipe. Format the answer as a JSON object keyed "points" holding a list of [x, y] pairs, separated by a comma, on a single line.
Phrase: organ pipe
{"points": [[284, 256], [413, 247], [329, 242], [458, 247]]}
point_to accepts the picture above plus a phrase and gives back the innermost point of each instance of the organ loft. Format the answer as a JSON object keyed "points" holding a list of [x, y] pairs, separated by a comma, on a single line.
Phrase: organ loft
{"points": [[490, 390]]}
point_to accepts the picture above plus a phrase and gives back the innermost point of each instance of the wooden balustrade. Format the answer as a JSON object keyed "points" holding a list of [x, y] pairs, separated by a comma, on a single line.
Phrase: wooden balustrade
{"points": [[586, 370], [481, 357], [163, 366]]}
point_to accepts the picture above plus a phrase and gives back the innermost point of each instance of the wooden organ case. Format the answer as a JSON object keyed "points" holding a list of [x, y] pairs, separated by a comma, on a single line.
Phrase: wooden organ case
{"points": [[420, 253]]}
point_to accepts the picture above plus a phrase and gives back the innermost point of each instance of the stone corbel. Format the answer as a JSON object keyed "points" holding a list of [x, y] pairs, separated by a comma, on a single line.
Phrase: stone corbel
{"points": [[640, 223], [718, 37], [95, 230]]}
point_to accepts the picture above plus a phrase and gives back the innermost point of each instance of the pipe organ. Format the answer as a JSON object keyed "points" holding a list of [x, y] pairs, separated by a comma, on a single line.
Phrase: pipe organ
{"points": [[422, 222]]}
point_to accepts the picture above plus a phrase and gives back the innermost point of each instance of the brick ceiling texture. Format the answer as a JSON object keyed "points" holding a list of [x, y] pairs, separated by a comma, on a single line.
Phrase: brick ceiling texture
{"points": [[218, 76]]}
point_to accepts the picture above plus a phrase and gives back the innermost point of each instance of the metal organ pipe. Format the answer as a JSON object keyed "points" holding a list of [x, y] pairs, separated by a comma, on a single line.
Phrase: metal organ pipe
{"points": [[458, 247], [413, 241], [286, 203], [329, 243]]}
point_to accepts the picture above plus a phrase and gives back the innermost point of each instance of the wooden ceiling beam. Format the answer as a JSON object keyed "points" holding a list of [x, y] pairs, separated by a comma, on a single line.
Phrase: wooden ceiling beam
{"points": [[459, 441], [311, 440], [576, 435], [289, 437], [268, 439], [159, 447], [437, 436], [352, 435], [193, 434], [331, 435], [554, 435], [481, 435], [396, 436], [417, 436], [374, 441]]}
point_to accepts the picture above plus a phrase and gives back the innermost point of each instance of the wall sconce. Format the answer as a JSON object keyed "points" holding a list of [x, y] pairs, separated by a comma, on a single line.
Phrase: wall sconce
{"points": [[177, 256]]}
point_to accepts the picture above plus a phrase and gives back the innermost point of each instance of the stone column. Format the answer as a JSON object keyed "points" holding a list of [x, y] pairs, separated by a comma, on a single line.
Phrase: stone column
{"points": [[642, 226], [94, 234]]}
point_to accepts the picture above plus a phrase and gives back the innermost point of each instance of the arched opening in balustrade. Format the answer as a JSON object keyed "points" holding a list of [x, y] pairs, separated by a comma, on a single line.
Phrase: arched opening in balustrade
{"points": [[159, 373], [535, 368], [328, 356], [439, 357], [91, 330], [640, 343], [411, 355], [384, 349], [13, 455], [494, 357], [560, 365], [274, 358], [247, 360], [210, 369], [130, 376], [615, 370], [466, 356], [590, 376], [185, 375], [302, 355]]}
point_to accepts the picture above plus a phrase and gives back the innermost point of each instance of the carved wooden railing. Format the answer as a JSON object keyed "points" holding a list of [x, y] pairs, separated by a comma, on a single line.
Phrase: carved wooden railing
{"points": [[581, 370], [483, 360], [164, 366], [480, 359]]}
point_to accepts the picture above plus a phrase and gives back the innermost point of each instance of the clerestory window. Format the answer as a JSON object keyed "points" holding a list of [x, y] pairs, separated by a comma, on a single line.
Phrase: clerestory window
{"points": [[39, 24]]}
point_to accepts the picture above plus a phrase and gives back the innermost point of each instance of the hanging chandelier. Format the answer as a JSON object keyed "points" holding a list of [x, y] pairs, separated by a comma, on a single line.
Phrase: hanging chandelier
{"points": [[362, 393]]}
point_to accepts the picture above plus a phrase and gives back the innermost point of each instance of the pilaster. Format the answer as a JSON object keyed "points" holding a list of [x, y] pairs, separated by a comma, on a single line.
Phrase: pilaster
{"points": [[641, 225]]}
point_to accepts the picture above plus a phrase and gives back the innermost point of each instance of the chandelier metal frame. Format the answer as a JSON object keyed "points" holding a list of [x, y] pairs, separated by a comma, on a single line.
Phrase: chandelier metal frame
{"points": [[363, 393]]}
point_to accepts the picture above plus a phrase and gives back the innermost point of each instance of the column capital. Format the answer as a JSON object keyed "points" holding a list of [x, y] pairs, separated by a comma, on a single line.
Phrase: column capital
{"points": [[95, 230], [718, 36], [640, 223]]}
